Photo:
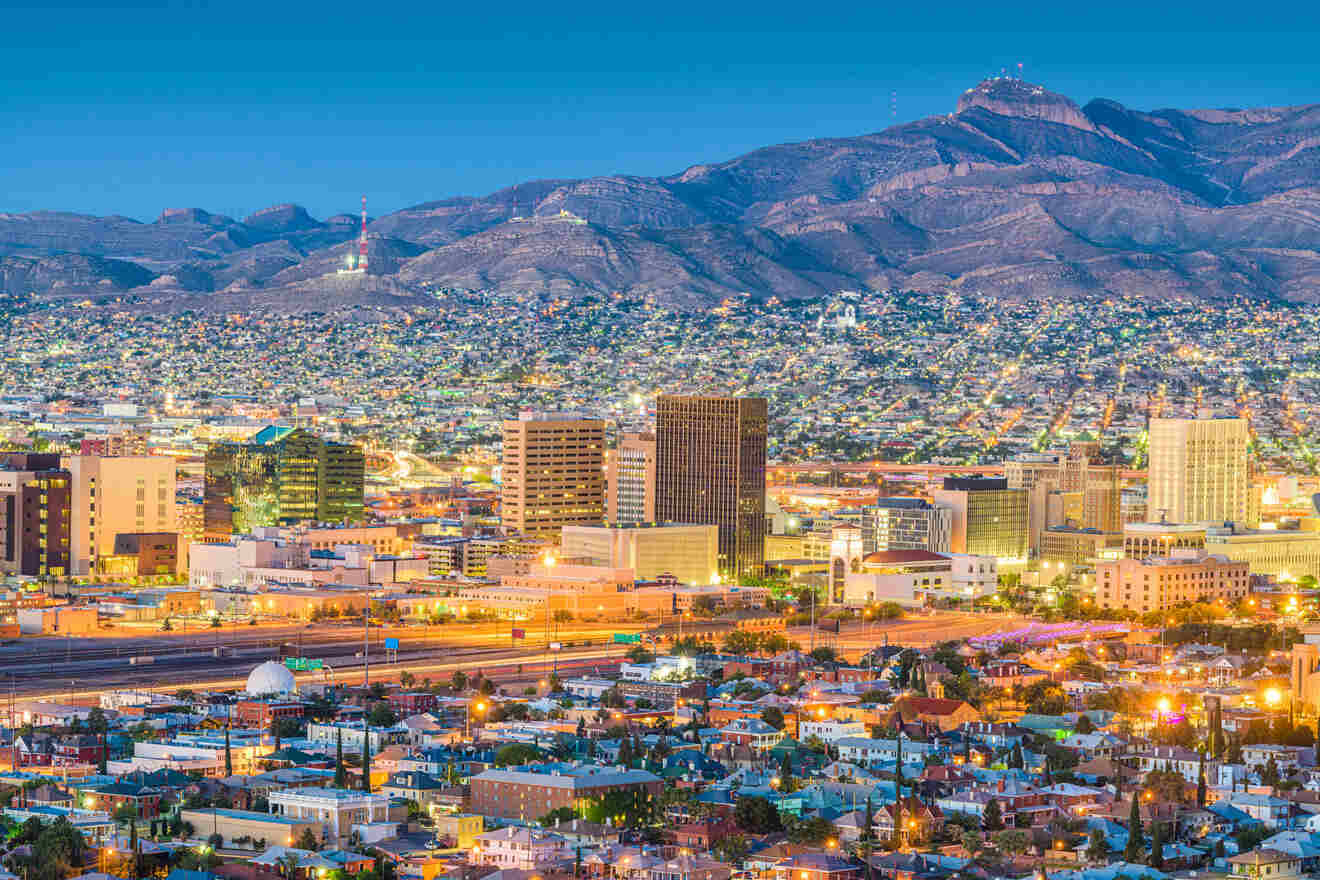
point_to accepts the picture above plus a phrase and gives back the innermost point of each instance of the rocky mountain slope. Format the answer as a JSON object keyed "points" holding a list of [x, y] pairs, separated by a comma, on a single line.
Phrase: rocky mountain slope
{"points": [[1019, 192]]}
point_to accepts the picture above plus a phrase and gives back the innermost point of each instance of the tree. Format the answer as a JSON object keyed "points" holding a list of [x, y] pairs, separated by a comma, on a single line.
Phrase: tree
{"points": [[459, 682], [487, 687], [381, 715], [741, 642], [307, 840], [407, 679], [1084, 725], [366, 760], [341, 775], [1200, 783], [229, 758], [1156, 846], [756, 815], [1097, 849], [813, 831], [1011, 842], [786, 781], [774, 716], [1135, 843], [730, 849], [134, 856], [1015, 760], [516, 754], [993, 818], [824, 654]]}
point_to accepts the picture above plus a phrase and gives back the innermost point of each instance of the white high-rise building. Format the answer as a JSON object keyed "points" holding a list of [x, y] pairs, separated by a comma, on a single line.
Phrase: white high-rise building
{"points": [[1198, 471]]}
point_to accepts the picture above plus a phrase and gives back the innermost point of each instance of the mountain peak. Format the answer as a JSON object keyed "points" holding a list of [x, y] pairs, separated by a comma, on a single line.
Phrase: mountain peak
{"points": [[281, 218], [1006, 96]]}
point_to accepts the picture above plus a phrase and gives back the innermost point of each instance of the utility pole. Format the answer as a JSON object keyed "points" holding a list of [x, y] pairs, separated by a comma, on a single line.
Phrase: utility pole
{"points": [[366, 647]]}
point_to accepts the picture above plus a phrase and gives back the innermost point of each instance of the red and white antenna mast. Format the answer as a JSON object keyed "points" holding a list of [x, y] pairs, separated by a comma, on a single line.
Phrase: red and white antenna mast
{"points": [[362, 241]]}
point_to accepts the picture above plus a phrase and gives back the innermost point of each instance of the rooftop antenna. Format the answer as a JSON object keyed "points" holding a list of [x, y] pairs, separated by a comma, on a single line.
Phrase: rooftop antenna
{"points": [[1019, 70], [362, 241]]}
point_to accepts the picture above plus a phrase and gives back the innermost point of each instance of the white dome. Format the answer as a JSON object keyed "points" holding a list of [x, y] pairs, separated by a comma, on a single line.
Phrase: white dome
{"points": [[270, 678]]}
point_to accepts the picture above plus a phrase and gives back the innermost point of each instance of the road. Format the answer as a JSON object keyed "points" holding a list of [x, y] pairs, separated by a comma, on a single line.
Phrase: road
{"points": [[857, 637], [221, 658]]}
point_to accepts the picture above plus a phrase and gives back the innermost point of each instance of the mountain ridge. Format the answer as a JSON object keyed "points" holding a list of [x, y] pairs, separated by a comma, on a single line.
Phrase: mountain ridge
{"points": [[1019, 192]]}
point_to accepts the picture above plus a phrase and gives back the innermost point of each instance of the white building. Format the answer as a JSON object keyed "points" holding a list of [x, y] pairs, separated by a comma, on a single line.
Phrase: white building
{"points": [[354, 733], [522, 849], [831, 731], [340, 811], [688, 552]]}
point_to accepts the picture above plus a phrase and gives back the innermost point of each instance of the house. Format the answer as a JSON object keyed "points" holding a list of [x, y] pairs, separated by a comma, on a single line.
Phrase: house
{"points": [[818, 866], [751, 732], [944, 714], [1300, 844], [1184, 762], [911, 820], [1089, 746], [1265, 864], [1286, 758], [867, 752], [1270, 811], [579, 832], [526, 849], [690, 867]]}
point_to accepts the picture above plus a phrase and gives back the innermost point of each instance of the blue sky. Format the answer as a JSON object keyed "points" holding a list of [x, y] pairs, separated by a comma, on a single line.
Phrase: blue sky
{"points": [[236, 106]]}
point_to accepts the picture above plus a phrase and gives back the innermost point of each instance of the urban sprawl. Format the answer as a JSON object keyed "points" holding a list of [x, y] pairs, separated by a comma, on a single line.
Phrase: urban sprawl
{"points": [[910, 587]]}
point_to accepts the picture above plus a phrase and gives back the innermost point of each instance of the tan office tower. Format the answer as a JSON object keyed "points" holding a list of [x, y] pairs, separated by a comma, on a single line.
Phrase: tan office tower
{"points": [[116, 496], [710, 468], [630, 480], [989, 518], [553, 473], [1198, 471]]}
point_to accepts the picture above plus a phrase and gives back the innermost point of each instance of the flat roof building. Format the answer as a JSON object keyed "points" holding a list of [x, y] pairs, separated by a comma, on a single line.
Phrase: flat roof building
{"points": [[687, 552], [552, 473]]}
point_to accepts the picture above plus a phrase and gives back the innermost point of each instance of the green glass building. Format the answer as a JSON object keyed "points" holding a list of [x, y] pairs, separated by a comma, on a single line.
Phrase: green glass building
{"points": [[284, 475]]}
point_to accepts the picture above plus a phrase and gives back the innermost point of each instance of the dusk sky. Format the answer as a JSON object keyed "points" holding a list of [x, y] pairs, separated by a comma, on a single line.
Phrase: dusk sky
{"points": [[233, 107]]}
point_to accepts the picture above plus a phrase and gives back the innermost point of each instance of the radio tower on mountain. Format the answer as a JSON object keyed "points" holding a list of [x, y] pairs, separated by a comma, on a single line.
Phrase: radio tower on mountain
{"points": [[362, 240]]}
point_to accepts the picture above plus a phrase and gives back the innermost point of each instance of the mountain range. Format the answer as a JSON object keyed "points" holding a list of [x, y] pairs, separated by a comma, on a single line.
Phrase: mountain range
{"points": [[1020, 192]]}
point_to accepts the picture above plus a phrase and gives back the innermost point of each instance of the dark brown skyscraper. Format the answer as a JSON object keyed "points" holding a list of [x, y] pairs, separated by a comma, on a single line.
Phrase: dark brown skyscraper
{"points": [[710, 468]]}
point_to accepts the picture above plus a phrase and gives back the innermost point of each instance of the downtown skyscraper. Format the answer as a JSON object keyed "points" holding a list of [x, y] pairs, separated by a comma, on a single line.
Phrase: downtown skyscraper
{"points": [[710, 468]]}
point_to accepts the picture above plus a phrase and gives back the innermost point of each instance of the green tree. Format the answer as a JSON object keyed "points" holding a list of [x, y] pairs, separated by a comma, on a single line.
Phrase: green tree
{"points": [[1156, 846], [730, 849], [1084, 725], [1200, 783], [1097, 849], [341, 775], [229, 758], [756, 815], [774, 716], [517, 754], [58, 851], [307, 840], [1136, 842], [366, 760], [813, 831], [381, 715], [1011, 842], [459, 682], [993, 818]]}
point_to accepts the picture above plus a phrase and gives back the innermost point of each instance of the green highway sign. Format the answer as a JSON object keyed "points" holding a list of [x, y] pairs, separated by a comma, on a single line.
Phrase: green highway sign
{"points": [[627, 638], [302, 664]]}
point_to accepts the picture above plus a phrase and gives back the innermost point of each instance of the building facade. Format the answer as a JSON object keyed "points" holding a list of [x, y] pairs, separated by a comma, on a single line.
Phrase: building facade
{"points": [[710, 468], [283, 476], [114, 496], [687, 552], [988, 518], [1156, 583], [1198, 470], [630, 480], [35, 516], [906, 524], [552, 466]]}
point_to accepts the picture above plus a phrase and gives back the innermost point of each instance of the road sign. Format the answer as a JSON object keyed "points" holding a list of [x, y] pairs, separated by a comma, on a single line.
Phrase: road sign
{"points": [[391, 644], [627, 638], [556, 646], [519, 633], [303, 664]]}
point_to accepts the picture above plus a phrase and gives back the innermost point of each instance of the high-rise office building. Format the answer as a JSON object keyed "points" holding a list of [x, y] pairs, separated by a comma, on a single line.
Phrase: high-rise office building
{"points": [[113, 496], [630, 480], [989, 518], [1073, 490], [1198, 471], [34, 515], [906, 524], [710, 468], [553, 473], [284, 475]]}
